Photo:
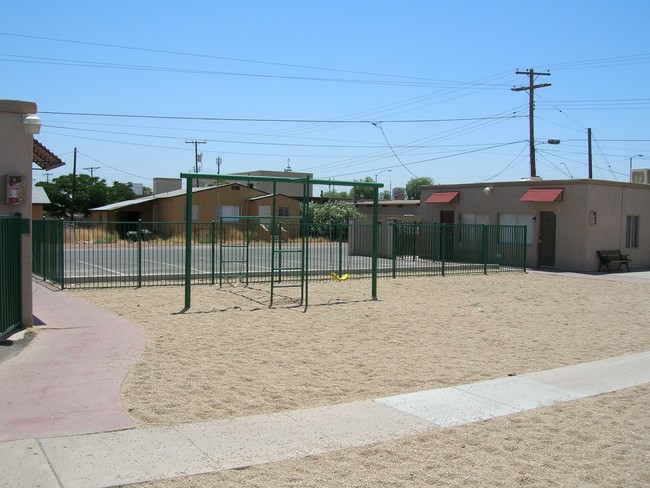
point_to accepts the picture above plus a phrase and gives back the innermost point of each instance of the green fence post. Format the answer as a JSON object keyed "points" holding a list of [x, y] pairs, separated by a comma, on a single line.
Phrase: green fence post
{"points": [[443, 246], [188, 243], [139, 253], [339, 228], [484, 250], [525, 247], [212, 257], [61, 234], [393, 252]]}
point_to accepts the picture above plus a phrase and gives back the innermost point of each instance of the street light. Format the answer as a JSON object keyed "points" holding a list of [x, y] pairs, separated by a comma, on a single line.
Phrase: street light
{"points": [[533, 170], [382, 171], [631, 158]]}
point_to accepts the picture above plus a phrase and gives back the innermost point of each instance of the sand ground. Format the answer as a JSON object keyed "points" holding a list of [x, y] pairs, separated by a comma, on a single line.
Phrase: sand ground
{"points": [[231, 356]]}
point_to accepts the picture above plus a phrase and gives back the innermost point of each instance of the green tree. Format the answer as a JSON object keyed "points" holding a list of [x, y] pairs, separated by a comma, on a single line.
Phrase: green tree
{"points": [[90, 192], [325, 217], [335, 194], [413, 186], [362, 192], [385, 195], [120, 192]]}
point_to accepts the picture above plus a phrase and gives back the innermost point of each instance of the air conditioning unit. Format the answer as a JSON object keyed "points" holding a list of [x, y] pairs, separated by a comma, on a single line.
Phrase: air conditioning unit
{"points": [[641, 176]]}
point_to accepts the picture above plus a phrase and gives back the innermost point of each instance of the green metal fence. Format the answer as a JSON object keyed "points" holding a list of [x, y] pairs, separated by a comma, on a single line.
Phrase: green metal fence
{"points": [[10, 274], [47, 250], [134, 254], [425, 249]]}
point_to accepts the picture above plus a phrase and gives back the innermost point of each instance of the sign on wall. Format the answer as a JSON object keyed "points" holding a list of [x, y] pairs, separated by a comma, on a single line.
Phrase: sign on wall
{"points": [[14, 190]]}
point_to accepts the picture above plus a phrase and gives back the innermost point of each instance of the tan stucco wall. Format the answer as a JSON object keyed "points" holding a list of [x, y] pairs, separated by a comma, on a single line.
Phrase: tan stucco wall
{"points": [[407, 211], [207, 201], [37, 212], [280, 201], [577, 239], [16, 151]]}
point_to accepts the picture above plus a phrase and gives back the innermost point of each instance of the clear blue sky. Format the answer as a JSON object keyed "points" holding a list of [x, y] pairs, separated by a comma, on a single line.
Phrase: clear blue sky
{"points": [[434, 76]]}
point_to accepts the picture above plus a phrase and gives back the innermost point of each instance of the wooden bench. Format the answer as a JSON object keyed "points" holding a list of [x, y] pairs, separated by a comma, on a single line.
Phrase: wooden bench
{"points": [[613, 257]]}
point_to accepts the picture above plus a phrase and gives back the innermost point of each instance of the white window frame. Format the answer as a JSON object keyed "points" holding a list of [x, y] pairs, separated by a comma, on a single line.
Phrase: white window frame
{"points": [[518, 219]]}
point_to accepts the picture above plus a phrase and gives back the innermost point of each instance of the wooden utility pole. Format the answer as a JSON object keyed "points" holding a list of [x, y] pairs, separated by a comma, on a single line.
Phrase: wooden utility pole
{"points": [[196, 153], [92, 170], [196, 158], [74, 184], [531, 108]]}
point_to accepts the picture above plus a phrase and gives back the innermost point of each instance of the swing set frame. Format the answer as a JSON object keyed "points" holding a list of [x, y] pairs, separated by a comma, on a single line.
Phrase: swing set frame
{"points": [[305, 182]]}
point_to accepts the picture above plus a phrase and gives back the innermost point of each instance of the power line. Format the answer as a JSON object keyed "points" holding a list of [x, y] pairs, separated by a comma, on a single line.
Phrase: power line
{"points": [[378, 125], [442, 157], [166, 69], [244, 60], [298, 121], [112, 167]]}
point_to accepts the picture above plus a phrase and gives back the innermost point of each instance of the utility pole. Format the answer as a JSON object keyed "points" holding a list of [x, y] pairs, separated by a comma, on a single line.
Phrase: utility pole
{"points": [[196, 153], [92, 170], [219, 165], [531, 108], [74, 184], [47, 176]]}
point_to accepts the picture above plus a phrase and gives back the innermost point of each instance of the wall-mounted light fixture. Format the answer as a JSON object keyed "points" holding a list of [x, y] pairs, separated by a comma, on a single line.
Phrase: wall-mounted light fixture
{"points": [[487, 190], [32, 124], [593, 217]]}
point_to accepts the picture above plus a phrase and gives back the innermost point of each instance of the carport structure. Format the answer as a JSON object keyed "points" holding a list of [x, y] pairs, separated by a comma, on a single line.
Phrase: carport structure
{"points": [[276, 254]]}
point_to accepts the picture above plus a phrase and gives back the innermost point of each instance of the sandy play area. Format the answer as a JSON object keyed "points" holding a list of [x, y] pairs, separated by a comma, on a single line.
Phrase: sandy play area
{"points": [[231, 356]]}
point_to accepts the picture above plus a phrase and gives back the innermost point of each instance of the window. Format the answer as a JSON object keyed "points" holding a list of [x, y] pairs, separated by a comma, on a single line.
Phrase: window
{"points": [[469, 233], [506, 236], [283, 212], [230, 213], [474, 218], [632, 232]]}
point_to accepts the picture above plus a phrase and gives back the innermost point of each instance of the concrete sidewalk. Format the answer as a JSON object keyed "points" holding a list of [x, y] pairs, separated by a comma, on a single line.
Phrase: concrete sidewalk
{"points": [[130, 456], [67, 380]]}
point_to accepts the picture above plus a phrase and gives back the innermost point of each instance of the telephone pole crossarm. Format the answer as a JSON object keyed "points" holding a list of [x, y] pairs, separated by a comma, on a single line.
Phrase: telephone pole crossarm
{"points": [[531, 110], [196, 153]]}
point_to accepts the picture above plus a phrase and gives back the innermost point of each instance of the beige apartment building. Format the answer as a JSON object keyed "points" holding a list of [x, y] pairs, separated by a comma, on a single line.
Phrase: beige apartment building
{"points": [[567, 220]]}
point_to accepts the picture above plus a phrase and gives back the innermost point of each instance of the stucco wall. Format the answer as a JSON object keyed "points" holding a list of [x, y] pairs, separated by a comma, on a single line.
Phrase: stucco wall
{"points": [[16, 151], [577, 238], [400, 210]]}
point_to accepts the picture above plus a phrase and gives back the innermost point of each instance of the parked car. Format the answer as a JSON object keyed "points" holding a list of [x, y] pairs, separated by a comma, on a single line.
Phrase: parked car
{"points": [[132, 235]]}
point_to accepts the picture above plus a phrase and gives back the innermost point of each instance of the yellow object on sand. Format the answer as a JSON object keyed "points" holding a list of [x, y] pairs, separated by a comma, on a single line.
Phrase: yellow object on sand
{"points": [[340, 278]]}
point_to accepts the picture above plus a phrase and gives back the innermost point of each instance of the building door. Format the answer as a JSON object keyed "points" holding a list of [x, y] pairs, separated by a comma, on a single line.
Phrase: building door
{"points": [[447, 217], [546, 247], [265, 211]]}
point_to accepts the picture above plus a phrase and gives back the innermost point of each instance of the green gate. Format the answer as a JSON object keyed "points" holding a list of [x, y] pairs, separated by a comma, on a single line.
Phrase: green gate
{"points": [[47, 250], [10, 282]]}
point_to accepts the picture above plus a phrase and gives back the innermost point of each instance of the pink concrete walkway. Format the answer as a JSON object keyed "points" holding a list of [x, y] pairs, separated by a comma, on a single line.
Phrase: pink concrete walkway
{"points": [[67, 380]]}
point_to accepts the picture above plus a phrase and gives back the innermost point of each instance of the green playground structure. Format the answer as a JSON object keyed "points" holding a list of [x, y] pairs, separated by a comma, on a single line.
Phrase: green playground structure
{"points": [[279, 252]]}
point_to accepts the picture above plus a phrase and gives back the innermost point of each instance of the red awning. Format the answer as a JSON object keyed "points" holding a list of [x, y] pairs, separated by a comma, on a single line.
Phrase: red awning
{"points": [[45, 158], [443, 197], [543, 195]]}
